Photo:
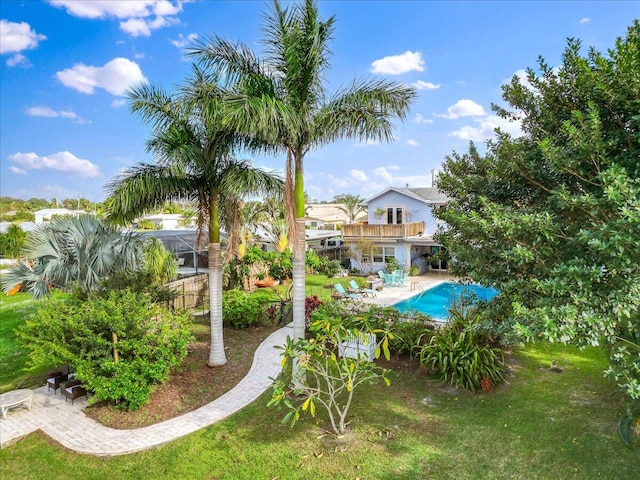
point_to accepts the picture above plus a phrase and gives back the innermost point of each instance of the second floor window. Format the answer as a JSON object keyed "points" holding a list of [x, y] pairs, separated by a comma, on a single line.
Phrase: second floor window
{"points": [[395, 215]]}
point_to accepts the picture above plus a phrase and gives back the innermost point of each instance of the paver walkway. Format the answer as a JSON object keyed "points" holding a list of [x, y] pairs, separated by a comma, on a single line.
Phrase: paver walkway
{"points": [[68, 425]]}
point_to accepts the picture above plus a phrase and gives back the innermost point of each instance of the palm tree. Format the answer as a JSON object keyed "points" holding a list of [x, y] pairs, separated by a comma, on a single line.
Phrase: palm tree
{"points": [[282, 100], [73, 251], [352, 205], [194, 157]]}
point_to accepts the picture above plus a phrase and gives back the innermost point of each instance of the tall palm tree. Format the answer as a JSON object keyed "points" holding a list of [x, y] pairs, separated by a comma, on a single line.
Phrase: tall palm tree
{"points": [[194, 161], [73, 251], [283, 100]]}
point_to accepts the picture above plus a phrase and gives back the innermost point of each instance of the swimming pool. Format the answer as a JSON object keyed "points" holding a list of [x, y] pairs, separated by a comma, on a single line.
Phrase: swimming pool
{"points": [[435, 302]]}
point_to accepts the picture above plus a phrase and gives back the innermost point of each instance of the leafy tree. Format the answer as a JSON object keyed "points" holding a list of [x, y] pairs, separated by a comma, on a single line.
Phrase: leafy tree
{"points": [[552, 217], [73, 252], [352, 205], [282, 100], [195, 162]]}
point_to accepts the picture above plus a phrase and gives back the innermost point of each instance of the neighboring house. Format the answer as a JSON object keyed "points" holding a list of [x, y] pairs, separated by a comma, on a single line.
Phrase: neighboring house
{"points": [[165, 221], [45, 214], [186, 246], [400, 225], [326, 216]]}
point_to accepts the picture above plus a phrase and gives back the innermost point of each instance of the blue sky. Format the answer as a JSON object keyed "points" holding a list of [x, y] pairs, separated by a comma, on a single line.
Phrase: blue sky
{"points": [[65, 127]]}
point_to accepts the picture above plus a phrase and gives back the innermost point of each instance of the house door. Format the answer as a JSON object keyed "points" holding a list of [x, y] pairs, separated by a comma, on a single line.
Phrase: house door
{"points": [[437, 264]]}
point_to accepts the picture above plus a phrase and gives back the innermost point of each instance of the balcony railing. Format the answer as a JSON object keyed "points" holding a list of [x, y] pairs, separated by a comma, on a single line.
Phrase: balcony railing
{"points": [[352, 231]]}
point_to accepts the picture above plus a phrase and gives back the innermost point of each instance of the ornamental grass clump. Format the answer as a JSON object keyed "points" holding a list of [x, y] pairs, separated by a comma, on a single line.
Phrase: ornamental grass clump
{"points": [[463, 354]]}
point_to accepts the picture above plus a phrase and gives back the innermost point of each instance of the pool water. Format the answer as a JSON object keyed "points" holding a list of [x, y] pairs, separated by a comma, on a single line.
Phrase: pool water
{"points": [[435, 302]]}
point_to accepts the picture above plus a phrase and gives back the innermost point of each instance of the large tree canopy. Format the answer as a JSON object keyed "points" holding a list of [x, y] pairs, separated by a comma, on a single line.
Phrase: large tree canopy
{"points": [[553, 217]]}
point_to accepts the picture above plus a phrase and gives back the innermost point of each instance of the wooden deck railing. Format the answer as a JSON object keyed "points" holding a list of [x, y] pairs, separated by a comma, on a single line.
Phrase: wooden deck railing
{"points": [[352, 231]]}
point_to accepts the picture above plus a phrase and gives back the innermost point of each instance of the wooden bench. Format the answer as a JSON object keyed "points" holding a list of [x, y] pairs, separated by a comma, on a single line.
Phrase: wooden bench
{"points": [[15, 398]]}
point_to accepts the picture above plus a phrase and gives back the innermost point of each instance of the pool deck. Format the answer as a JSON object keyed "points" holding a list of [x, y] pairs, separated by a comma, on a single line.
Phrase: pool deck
{"points": [[413, 286]]}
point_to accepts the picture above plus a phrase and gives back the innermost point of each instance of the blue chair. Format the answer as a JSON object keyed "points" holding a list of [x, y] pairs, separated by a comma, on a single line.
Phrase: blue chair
{"points": [[344, 294], [362, 290]]}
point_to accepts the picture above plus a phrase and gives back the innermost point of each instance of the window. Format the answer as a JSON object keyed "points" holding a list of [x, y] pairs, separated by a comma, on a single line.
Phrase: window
{"points": [[382, 254], [395, 215]]}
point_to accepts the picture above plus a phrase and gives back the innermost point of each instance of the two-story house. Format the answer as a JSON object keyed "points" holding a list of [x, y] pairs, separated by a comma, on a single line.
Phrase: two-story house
{"points": [[400, 225]]}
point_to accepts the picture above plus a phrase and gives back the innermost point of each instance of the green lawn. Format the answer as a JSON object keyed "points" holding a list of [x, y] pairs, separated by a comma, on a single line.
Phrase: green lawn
{"points": [[543, 425], [14, 357]]}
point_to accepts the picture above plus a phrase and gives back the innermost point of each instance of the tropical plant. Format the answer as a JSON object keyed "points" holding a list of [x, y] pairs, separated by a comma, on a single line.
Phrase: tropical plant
{"points": [[194, 155], [281, 101], [160, 263], [462, 353], [352, 205], [12, 242], [330, 379], [70, 252], [119, 344]]}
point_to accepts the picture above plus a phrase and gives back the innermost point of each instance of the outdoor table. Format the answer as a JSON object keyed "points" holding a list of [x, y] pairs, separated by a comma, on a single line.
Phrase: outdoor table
{"points": [[15, 398]]}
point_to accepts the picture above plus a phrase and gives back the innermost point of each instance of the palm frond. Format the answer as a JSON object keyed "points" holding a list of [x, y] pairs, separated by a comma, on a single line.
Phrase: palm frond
{"points": [[363, 111]]}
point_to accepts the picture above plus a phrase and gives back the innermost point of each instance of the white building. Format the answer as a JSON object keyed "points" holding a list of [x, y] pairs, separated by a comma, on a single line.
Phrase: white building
{"points": [[45, 214]]}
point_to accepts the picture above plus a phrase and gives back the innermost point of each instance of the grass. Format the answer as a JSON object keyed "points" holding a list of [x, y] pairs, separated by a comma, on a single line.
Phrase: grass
{"points": [[542, 425], [14, 357], [315, 284]]}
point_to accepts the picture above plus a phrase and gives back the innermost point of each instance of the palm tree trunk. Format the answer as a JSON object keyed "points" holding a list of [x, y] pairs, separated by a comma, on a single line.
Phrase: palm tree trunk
{"points": [[217, 356]]}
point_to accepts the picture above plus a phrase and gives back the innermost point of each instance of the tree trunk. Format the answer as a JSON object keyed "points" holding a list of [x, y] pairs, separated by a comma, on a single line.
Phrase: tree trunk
{"points": [[299, 297], [217, 356]]}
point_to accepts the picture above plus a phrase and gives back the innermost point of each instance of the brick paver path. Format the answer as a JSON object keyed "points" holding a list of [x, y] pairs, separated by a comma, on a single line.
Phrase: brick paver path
{"points": [[68, 425]]}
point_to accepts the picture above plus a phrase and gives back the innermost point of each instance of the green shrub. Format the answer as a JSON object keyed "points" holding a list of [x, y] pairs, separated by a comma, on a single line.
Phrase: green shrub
{"points": [[463, 354], [333, 268], [241, 310], [119, 344], [408, 330]]}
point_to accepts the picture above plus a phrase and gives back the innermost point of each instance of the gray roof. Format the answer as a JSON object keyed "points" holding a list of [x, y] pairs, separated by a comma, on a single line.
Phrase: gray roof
{"points": [[424, 194], [430, 194]]}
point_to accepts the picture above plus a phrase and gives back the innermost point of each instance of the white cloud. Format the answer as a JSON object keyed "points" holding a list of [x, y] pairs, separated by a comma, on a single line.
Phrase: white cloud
{"points": [[41, 112], [182, 41], [585, 20], [15, 37], [51, 113], [412, 143], [398, 64], [115, 77], [17, 170], [383, 174], [464, 108], [18, 59], [139, 17], [358, 176], [422, 85], [368, 143], [62, 161], [420, 119], [120, 102], [484, 129]]}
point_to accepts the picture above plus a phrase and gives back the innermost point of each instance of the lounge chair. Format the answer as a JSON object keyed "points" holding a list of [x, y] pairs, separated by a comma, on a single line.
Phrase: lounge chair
{"points": [[342, 293], [364, 291], [72, 389]]}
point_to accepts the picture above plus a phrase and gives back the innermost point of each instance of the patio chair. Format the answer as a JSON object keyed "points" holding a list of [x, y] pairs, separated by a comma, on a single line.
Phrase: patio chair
{"points": [[342, 293], [364, 291], [72, 389], [55, 379]]}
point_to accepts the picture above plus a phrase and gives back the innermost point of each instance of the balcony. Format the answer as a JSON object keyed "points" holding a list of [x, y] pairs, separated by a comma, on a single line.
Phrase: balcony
{"points": [[354, 231]]}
